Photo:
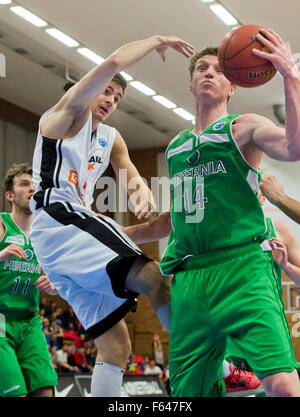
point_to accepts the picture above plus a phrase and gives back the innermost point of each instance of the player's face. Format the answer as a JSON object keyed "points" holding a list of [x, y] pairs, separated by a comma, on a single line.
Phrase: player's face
{"points": [[22, 192], [208, 81], [107, 102]]}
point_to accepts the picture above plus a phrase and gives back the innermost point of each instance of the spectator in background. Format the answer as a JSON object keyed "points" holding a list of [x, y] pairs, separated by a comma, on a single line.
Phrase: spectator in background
{"points": [[46, 330], [53, 356], [81, 341], [145, 362], [51, 309], [81, 361], [158, 351], [71, 332], [54, 342], [42, 314], [68, 317], [152, 368], [58, 332], [63, 358], [59, 313]]}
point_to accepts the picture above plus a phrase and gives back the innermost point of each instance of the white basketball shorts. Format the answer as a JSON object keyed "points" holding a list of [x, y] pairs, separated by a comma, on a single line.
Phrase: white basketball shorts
{"points": [[87, 259]]}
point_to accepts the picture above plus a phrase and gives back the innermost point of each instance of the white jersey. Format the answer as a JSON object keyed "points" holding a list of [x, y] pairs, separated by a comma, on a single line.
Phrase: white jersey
{"points": [[67, 170]]}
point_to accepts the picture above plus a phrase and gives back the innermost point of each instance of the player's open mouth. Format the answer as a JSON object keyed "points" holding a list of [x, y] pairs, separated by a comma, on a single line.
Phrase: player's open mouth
{"points": [[103, 109]]}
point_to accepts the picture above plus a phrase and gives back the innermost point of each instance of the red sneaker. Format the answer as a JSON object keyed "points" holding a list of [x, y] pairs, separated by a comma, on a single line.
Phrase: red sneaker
{"points": [[240, 380]]}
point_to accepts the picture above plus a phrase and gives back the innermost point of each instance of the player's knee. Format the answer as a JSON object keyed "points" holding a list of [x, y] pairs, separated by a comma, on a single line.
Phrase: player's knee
{"points": [[115, 351]]}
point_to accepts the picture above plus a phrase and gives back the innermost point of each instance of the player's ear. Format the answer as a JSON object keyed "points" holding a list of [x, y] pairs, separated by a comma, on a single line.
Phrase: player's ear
{"points": [[9, 195], [232, 90]]}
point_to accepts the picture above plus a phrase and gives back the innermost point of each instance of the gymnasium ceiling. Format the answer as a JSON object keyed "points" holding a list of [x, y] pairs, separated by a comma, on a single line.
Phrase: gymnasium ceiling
{"points": [[37, 63]]}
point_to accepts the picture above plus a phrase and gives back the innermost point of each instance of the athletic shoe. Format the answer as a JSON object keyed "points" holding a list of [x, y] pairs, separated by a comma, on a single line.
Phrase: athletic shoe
{"points": [[240, 380]]}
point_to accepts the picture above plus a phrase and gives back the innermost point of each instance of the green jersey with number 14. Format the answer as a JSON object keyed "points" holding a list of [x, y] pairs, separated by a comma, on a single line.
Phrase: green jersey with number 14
{"points": [[17, 276], [213, 195]]}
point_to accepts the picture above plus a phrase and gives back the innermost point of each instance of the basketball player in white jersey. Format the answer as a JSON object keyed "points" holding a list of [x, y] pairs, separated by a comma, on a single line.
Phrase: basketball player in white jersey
{"points": [[89, 260]]}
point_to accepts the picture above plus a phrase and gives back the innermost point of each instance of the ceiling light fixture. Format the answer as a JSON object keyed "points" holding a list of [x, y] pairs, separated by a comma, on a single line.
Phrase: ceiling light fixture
{"points": [[184, 114], [126, 76], [62, 37], [223, 14], [164, 102], [90, 55], [30, 17], [143, 88]]}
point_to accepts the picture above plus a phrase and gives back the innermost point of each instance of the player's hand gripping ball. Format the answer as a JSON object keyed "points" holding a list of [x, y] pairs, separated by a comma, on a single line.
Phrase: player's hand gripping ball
{"points": [[237, 61]]}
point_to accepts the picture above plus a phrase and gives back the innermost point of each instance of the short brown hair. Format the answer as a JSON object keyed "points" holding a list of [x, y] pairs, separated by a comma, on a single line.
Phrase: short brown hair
{"points": [[210, 50], [119, 79], [15, 171]]}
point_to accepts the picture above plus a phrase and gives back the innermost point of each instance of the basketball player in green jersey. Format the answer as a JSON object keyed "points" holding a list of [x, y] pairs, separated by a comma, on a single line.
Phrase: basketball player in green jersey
{"points": [[25, 368], [224, 285]]}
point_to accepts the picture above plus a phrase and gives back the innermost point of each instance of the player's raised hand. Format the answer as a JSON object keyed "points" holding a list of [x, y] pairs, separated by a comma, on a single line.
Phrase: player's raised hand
{"points": [[43, 284], [278, 52], [179, 45], [11, 251]]}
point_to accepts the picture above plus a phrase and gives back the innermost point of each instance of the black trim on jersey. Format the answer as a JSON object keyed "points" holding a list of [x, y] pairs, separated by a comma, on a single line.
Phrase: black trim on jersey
{"points": [[95, 227], [98, 329], [49, 161], [59, 162]]}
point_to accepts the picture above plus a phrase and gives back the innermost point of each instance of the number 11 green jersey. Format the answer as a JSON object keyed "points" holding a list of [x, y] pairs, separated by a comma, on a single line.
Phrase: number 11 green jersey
{"points": [[17, 276], [213, 194]]}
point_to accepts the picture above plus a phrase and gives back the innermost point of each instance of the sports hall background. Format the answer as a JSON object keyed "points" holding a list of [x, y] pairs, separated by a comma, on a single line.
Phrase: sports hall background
{"points": [[38, 67]]}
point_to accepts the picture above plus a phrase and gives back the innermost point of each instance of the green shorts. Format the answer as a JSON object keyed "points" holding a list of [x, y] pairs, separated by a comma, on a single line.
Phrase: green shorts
{"points": [[25, 359], [232, 293]]}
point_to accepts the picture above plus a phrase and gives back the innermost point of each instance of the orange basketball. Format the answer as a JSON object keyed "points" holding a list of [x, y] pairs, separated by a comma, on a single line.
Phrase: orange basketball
{"points": [[237, 61]]}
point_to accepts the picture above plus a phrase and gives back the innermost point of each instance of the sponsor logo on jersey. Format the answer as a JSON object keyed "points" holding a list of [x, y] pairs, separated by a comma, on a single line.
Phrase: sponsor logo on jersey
{"points": [[17, 240], [194, 158], [102, 142], [22, 267], [73, 177], [29, 254], [210, 168], [94, 160], [219, 126]]}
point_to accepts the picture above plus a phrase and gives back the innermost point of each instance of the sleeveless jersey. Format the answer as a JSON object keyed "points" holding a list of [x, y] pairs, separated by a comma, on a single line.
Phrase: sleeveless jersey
{"points": [[213, 193], [17, 276], [67, 170]]}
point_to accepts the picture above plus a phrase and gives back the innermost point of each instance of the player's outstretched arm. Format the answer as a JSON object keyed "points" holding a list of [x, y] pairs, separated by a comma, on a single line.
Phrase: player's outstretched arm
{"points": [[130, 179], [286, 142], [150, 232], [72, 111], [272, 189]]}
